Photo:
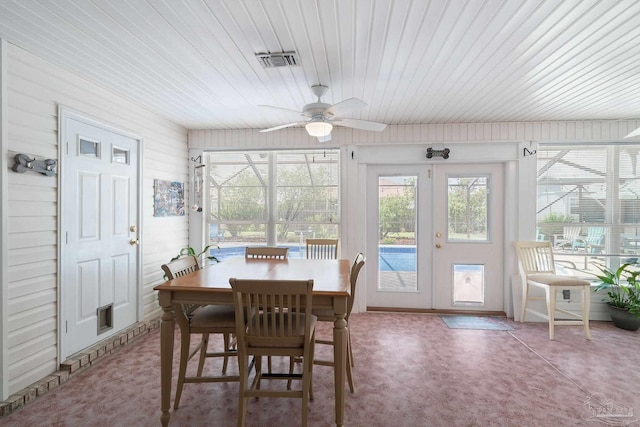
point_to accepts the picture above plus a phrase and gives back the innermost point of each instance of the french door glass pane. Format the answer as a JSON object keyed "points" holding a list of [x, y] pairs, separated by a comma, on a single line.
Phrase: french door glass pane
{"points": [[397, 236], [467, 198]]}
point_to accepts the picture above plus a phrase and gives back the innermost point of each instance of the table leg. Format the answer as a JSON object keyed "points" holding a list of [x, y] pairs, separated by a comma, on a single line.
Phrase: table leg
{"points": [[167, 334], [340, 364]]}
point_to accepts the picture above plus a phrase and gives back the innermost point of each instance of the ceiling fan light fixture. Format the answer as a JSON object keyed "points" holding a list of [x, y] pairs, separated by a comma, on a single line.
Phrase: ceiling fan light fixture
{"points": [[318, 128]]}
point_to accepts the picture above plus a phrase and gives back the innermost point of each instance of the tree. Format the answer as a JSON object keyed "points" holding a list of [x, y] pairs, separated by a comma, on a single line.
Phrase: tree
{"points": [[300, 190], [242, 198], [467, 207], [397, 211]]}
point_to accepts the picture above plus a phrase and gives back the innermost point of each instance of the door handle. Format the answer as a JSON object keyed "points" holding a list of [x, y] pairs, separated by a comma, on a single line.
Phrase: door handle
{"points": [[438, 245], [134, 242]]}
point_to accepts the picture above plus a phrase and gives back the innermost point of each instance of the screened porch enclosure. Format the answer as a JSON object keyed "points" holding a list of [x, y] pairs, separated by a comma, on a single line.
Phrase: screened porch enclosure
{"points": [[589, 204], [273, 198]]}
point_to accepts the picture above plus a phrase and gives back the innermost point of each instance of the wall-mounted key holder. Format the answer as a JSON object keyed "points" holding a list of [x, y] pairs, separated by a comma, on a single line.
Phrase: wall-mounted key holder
{"points": [[25, 163]]}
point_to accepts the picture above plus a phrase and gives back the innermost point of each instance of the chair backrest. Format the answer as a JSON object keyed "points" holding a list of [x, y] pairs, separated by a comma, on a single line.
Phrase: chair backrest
{"points": [[595, 235], [535, 258], [322, 248], [571, 232], [180, 267], [274, 312], [358, 263], [265, 252]]}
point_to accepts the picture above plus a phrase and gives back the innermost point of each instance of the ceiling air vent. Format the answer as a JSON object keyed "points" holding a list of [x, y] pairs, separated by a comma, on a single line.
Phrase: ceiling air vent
{"points": [[273, 60]]}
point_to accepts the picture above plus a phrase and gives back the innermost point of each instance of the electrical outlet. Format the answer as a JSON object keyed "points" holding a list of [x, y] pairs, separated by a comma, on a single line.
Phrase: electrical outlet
{"points": [[566, 294]]}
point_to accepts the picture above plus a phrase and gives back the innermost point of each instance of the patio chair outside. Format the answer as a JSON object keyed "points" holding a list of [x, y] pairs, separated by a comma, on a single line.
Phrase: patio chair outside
{"points": [[569, 234], [591, 243]]}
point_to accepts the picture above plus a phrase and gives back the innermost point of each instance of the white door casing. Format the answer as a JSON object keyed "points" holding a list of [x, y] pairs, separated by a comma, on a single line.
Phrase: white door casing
{"points": [[99, 232]]}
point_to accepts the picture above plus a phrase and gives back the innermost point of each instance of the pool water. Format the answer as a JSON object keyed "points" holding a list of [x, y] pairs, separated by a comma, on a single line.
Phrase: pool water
{"points": [[391, 258]]}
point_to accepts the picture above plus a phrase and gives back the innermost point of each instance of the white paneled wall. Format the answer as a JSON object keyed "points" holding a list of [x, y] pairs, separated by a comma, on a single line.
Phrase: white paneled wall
{"points": [[584, 131], [35, 89]]}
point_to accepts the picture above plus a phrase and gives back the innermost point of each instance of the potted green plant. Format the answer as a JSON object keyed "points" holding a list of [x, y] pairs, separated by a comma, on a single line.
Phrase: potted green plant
{"points": [[623, 289], [203, 256], [204, 259]]}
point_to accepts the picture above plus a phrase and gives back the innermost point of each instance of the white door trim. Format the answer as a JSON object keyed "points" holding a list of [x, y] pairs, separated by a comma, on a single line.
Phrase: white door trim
{"points": [[4, 227], [65, 113]]}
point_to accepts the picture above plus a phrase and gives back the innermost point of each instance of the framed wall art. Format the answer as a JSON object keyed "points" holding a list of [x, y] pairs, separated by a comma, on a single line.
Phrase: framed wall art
{"points": [[168, 198]]}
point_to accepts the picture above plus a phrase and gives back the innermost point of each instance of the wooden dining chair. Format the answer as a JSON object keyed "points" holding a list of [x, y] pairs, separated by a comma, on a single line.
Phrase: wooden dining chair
{"points": [[536, 267], [273, 318], [326, 315], [203, 320], [322, 248], [266, 252]]}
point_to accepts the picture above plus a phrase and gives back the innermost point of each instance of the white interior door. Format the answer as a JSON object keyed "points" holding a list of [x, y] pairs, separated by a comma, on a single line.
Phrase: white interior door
{"points": [[435, 236], [99, 222], [469, 236]]}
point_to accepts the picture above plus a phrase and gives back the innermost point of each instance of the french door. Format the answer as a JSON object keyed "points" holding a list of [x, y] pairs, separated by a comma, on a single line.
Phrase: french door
{"points": [[435, 236]]}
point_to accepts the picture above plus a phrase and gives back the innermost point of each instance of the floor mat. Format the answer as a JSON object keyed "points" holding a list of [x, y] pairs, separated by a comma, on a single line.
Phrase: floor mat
{"points": [[475, 322]]}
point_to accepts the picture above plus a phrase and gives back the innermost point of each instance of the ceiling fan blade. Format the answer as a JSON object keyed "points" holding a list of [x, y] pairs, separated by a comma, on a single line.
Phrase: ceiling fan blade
{"points": [[345, 106], [360, 124], [282, 110], [634, 133], [324, 138], [288, 125]]}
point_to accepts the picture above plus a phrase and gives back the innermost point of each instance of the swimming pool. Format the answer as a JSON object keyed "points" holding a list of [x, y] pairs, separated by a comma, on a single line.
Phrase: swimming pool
{"points": [[391, 258]]}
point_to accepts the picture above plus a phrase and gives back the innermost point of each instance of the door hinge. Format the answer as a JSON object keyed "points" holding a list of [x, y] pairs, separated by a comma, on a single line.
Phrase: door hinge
{"points": [[66, 237], [429, 173], [66, 326]]}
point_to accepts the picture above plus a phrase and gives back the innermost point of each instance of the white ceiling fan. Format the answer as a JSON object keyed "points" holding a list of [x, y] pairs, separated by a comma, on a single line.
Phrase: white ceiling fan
{"points": [[321, 117], [634, 133]]}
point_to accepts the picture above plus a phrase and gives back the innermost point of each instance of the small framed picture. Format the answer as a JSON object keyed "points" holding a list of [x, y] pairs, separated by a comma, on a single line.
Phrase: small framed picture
{"points": [[168, 198]]}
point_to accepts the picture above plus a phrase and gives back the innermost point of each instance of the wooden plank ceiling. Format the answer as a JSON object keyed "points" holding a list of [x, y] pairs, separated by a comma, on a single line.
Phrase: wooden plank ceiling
{"points": [[411, 61]]}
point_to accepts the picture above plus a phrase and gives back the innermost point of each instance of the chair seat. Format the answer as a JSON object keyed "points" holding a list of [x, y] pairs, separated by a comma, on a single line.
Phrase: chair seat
{"points": [[218, 316], [557, 280]]}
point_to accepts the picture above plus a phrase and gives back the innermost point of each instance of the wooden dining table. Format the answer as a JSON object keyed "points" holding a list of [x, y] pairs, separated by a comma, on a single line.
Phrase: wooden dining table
{"points": [[331, 288]]}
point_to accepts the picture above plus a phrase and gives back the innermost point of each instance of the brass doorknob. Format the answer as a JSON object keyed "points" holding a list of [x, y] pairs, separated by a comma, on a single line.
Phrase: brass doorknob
{"points": [[438, 245], [134, 242]]}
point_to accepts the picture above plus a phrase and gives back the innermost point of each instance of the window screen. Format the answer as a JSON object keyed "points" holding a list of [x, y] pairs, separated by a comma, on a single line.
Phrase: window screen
{"points": [[272, 198], [588, 202]]}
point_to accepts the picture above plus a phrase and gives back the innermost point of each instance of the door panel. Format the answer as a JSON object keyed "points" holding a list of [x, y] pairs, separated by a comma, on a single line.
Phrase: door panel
{"points": [[99, 207], [469, 252], [397, 251]]}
